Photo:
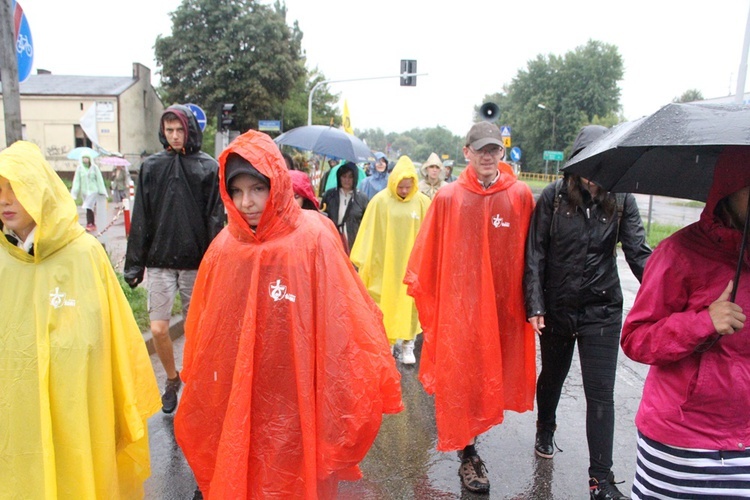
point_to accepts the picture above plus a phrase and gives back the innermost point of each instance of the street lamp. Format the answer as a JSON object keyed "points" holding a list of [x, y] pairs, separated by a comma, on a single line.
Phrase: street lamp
{"points": [[554, 120]]}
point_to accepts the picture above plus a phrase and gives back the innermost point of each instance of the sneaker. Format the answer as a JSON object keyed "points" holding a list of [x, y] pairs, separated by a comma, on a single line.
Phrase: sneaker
{"points": [[407, 352], [544, 444], [90, 228], [605, 489], [169, 398], [473, 474]]}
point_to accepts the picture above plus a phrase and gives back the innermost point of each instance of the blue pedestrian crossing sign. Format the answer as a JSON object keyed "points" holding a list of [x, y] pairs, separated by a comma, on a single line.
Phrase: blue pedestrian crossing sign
{"points": [[505, 131], [515, 153], [200, 115]]}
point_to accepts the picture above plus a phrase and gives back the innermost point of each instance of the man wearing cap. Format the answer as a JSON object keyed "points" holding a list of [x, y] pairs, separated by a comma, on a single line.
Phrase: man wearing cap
{"points": [[466, 276], [176, 214]]}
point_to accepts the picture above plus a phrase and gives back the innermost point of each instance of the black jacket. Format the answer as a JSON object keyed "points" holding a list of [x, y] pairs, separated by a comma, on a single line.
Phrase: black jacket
{"points": [[354, 211], [571, 268], [177, 209]]}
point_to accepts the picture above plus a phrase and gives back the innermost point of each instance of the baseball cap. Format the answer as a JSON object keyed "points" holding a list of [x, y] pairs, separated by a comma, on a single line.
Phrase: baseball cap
{"points": [[237, 165], [483, 133]]}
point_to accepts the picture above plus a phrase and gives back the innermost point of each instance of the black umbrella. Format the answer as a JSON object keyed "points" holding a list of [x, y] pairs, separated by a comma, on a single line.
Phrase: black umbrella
{"points": [[327, 141], [671, 153]]}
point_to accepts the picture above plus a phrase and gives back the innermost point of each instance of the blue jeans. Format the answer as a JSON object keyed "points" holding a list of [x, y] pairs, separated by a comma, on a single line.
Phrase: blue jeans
{"points": [[598, 355]]}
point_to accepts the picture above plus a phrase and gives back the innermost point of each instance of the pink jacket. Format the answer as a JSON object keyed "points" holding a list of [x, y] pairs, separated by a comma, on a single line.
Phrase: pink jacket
{"points": [[692, 399]]}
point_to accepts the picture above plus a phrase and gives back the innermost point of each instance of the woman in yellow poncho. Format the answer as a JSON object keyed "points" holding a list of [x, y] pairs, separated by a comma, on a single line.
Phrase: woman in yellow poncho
{"points": [[382, 248], [76, 383]]}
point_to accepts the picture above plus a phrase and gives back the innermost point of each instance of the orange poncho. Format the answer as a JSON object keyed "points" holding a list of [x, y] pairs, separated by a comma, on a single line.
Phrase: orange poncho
{"points": [[287, 368], [465, 273]]}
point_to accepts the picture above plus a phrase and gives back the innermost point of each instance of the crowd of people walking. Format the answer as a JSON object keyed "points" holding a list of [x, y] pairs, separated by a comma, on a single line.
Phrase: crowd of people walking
{"points": [[298, 307]]}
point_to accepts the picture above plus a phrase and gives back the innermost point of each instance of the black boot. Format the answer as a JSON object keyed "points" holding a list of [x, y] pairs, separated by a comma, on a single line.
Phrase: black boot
{"points": [[544, 444], [605, 489]]}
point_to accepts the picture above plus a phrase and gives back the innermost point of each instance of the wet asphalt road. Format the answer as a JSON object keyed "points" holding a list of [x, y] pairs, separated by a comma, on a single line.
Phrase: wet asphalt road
{"points": [[403, 462]]}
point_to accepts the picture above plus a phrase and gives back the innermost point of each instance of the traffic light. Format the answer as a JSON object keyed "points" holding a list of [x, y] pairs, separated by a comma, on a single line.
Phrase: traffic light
{"points": [[226, 116], [408, 66]]}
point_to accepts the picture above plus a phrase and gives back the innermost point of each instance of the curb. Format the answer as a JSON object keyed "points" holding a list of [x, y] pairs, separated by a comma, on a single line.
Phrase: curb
{"points": [[176, 330]]}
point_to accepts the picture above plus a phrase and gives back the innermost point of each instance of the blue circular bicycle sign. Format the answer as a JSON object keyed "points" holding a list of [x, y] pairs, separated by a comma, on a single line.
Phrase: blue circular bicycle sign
{"points": [[24, 44]]}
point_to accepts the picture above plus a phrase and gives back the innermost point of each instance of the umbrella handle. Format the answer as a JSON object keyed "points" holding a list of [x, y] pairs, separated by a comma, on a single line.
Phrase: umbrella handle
{"points": [[738, 271], [705, 346]]}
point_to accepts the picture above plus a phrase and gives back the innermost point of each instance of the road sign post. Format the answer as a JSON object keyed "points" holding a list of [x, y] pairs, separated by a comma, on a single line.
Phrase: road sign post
{"points": [[557, 156], [12, 24], [269, 125]]}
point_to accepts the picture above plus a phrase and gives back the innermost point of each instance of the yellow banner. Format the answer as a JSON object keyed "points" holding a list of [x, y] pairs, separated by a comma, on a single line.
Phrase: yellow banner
{"points": [[345, 120]]}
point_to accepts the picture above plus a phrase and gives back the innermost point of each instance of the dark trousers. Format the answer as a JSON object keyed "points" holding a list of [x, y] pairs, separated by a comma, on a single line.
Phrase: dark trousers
{"points": [[598, 355]]}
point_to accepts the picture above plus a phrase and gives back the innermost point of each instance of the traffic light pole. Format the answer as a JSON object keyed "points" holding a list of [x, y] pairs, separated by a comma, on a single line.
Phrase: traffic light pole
{"points": [[315, 87]]}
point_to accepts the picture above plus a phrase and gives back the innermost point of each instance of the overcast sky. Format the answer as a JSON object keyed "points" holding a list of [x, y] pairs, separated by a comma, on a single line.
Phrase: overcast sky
{"points": [[469, 49]]}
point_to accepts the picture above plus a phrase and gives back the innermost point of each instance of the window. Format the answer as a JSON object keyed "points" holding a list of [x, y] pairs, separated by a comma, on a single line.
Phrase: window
{"points": [[80, 137]]}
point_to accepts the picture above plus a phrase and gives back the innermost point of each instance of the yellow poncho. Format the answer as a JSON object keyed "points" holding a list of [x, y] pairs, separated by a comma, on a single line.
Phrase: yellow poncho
{"points": [[76, 383], [382, 248]]}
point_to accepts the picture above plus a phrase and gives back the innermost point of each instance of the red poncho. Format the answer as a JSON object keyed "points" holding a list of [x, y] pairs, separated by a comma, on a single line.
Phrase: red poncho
{"points": [[465, 273], [287, 368]]}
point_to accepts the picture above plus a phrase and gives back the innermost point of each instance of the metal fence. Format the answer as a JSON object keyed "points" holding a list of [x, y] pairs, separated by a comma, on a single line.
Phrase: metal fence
{"points": [[534, 176]]}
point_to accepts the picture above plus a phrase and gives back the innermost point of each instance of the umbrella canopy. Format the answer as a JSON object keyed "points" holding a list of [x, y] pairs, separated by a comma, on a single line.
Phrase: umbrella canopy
{"points": [[114, 161], [78, 153], [327, 141], [671, 152], [331, 179]]}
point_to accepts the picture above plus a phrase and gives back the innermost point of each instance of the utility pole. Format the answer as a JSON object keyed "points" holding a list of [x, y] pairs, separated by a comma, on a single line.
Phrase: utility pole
{"points": [[9, 75], [740, 95]]}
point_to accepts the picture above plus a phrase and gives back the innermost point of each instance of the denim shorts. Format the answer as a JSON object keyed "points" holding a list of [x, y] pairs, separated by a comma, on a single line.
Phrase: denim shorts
{"points": [[163, 285]]}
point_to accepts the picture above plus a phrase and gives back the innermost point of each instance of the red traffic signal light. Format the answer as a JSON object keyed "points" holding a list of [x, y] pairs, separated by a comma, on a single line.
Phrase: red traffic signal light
{"points": [[226, 116]]}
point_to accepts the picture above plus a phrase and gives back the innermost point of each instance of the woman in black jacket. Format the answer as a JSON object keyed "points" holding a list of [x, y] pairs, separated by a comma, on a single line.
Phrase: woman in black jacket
{"points": [[573, 293], [344, 204]]}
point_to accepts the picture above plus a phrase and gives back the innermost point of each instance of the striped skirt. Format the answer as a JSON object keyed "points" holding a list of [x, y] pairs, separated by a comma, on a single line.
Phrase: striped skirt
{"points": [[667, 472]]}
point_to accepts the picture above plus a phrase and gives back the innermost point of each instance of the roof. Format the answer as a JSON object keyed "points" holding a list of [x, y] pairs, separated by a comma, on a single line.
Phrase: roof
{"points": [[64, 85]]}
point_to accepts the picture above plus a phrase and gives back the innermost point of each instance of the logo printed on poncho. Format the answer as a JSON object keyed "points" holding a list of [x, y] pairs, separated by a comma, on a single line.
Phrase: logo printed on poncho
{"points": [[414, 215], [57, 299], [277, 291], [498, 221]]}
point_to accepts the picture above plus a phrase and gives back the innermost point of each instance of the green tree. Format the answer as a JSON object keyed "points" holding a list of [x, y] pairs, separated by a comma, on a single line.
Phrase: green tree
{"points": [[375, 138], [238, 51], [689, 96], [573, 90]]}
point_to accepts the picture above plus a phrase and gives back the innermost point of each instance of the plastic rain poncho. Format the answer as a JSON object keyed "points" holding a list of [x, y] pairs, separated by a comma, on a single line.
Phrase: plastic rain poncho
{"points": [[88, 183], [76, 383], [465, 273], [382, 248], [286, 365]]}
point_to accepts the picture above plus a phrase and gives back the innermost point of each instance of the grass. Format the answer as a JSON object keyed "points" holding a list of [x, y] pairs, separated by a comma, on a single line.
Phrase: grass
{"points": [[691, 204], [536, 185], [658, 232]]}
